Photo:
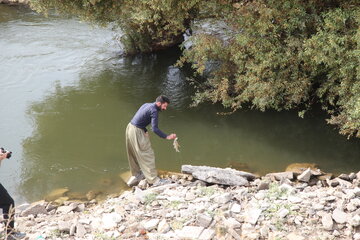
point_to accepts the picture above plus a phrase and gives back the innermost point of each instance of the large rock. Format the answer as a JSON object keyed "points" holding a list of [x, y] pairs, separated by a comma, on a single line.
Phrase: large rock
{"points": [[223, 176], [35, 209]]}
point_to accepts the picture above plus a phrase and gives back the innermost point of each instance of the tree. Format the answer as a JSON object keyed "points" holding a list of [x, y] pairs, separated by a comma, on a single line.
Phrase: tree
{"points": [[285, 54]]}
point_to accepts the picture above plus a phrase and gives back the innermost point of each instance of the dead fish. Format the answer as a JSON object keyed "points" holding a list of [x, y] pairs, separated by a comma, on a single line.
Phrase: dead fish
{"points": [[176, 145]]}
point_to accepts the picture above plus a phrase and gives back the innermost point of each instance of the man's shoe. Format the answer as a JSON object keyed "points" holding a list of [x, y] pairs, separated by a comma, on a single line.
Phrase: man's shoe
{"points": [[16, 236], [134, 180]]}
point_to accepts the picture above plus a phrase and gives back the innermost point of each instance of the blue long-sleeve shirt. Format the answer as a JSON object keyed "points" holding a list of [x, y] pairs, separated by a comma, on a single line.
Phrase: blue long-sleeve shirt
{"points": [[148, 113]]}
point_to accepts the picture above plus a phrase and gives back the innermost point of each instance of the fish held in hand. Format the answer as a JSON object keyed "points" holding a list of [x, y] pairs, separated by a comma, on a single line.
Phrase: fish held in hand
{"points": [[176, 145]]}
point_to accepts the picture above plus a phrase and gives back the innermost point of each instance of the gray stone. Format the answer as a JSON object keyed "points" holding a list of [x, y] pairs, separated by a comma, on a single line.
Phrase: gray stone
{"points": [[333, 183], [294, 199], [336, 233], [283, 212], [72, 229], [343, 183], [344, 176], [207, 234], [252, 215], [357, 192], [351, 207], [225, 176], [358, 175], [65, 209], [327, 222], [151, 224], [281, 175], [80, 230], [35, 209], [22, 207], [80, 208], [294, 236], [163, 227], [352, 176], [191, 169], [190, 232], [305, 176], [339, 216], [264, 232], [64, 226], [204, 220], [223, 198], [235, 235], [140, 194], [190, 196], [287, 188], [232, 223], [235, 208], [356, 236], [355, 221], [111, 220], [263, 186]]}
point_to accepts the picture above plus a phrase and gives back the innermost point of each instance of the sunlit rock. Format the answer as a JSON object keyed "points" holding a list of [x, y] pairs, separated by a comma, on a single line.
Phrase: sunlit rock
{"points": [[298, 168], [55, 194]]}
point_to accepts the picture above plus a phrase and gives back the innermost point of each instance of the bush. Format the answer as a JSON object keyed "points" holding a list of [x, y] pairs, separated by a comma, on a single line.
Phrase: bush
{"points": [[285, 54]]}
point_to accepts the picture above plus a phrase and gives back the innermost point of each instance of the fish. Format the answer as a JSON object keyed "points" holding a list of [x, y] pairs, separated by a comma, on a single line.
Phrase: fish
{"points": [[176, 145]]}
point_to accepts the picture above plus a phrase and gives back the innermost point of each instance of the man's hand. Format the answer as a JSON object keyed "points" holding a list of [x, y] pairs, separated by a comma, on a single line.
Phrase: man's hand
{"points": [[171, 136], [147, 134]]}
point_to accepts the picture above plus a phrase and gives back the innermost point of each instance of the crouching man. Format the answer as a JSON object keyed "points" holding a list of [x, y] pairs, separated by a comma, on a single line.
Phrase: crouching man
{"points": [[139, 151]]}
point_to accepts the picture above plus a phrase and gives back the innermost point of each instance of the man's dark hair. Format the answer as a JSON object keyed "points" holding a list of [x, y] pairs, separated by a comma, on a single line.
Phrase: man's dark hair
{"points": [[163, 99]]}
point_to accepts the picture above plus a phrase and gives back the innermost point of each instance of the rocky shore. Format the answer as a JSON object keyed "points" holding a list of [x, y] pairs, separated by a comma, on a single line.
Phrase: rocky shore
{"points": [[299, 204]]}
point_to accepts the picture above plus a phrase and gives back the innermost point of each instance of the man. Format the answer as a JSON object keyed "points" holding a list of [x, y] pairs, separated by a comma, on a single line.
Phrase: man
{"points": [[7, 205], [140, 154]]}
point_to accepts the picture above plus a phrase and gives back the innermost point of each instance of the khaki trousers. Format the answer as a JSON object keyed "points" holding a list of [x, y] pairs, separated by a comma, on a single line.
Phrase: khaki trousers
{"points": [[140, 154]]}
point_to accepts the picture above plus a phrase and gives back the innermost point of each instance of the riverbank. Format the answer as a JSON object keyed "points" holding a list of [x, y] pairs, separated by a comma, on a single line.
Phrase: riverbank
{"points": [[290, 205]]}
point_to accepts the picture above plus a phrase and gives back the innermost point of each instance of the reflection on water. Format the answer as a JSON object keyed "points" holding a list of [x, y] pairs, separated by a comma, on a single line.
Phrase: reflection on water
{"points": [[69, 98]]}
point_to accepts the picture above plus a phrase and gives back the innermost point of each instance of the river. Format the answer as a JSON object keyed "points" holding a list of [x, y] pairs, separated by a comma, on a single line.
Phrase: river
{"points": [[67, 96]]}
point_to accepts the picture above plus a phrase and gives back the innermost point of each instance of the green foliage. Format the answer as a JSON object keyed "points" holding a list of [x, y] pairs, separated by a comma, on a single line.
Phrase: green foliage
{"points": [[284, 54]]}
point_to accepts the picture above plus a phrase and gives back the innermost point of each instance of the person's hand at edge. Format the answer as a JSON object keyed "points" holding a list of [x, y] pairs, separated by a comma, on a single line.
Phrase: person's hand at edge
{"points": [[3, 155]]}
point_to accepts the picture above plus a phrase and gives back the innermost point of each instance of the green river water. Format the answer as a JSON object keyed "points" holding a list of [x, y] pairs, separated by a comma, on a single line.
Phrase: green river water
{"points": [[67, 96]]}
